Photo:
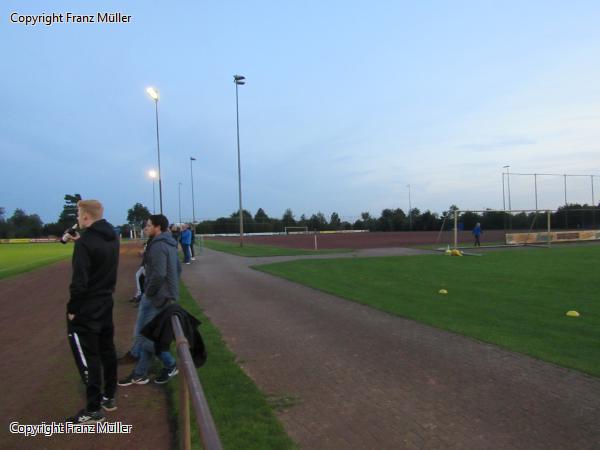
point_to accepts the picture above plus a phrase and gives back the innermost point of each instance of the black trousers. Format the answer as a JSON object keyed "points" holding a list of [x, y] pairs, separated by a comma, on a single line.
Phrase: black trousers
{"points": [[94, 351]]}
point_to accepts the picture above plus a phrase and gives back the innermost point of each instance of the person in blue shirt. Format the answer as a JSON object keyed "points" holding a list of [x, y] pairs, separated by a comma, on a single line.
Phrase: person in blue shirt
{"points": [[477, 233], [186, 243]]}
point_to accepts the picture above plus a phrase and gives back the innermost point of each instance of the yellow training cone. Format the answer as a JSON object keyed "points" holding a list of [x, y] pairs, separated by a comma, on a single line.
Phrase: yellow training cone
{"points": [[442, 291], [572, 314]]}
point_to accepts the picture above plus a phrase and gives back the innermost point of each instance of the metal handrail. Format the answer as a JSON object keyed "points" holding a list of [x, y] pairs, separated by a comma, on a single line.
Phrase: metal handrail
{"points": [[191, 384]]}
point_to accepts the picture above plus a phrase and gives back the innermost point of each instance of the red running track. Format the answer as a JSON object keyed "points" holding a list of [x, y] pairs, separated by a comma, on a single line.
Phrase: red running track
{"points": [[367, 240]]}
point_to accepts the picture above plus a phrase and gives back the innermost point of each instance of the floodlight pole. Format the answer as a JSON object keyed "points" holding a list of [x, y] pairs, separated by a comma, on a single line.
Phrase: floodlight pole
{"points": [[158, 150], [508, 181], [239, 80], [565, 176], [509, 202], [593, 201], [193, 202], [409, 209], [153, 197], [535, 186], [503, 191], [180, 222]]}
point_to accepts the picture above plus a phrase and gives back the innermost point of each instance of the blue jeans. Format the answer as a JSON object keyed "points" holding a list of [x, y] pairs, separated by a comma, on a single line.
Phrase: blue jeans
{"points": [[143, 346], [187, 253], [145, 315]]}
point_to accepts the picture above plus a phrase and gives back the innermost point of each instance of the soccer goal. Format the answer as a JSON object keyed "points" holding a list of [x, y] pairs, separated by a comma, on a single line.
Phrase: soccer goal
{"points": [[296, 230], [496, 228]]}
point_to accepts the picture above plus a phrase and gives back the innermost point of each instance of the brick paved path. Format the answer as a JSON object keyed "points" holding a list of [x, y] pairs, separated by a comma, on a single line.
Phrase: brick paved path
{"points": [[364, 379]]}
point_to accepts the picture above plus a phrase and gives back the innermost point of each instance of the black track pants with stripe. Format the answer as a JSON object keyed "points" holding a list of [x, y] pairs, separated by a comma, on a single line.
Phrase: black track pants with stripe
{"points": [[95, 355]]}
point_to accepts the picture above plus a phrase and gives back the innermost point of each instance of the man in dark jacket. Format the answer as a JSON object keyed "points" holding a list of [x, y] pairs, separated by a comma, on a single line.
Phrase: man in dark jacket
{"points": [[89, 311], [161, 288]]}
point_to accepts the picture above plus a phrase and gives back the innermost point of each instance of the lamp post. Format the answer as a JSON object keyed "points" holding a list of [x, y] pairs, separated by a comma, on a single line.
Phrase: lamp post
{"points": [[152, 174], [508, 183], [503, 190], [409, 209], [180, 183], [153, 93], [193, 203], [239, 80], [509, 204]]}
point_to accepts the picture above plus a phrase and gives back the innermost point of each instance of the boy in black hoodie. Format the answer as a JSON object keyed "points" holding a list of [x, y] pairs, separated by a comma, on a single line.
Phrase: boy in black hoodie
{"points": [[89, 310]]}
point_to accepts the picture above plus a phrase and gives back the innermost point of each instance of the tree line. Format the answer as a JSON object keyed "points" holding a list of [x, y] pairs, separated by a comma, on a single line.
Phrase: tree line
{"points": [[573, 216]]}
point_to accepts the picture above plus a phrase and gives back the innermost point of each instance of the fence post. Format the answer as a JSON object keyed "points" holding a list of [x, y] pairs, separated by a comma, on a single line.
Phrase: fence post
{"points": [[184, 414], [455, 229]]}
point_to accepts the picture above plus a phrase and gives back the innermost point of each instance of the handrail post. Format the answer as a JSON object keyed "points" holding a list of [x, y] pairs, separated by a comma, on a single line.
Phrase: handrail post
{"points": [[184, 414]]}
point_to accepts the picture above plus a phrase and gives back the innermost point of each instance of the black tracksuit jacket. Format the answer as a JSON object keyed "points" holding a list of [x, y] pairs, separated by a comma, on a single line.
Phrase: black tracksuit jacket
{"points": [[95, 263]]}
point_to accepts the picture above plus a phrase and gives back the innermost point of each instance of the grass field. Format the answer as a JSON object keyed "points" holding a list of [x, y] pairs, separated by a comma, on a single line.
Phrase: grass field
{"points": [[263, 250], [241, 412], [516, 299], [19, 258]]}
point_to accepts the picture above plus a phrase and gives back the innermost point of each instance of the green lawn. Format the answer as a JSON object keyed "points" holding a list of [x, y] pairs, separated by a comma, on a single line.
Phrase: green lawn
{"points": [[516, 299], [253, 250], [19, 258], [242, 415]]}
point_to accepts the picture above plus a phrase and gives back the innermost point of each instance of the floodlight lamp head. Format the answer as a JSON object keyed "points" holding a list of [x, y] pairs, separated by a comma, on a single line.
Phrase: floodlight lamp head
{"points": [[152, 173], [153, 92], [239, 79]]}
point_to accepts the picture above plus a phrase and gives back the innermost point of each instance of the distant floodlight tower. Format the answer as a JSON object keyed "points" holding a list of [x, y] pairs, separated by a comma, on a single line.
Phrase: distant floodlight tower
{"points": [[239, 80], [153, 93], [193, 202], [409, 209], [180, 183]]}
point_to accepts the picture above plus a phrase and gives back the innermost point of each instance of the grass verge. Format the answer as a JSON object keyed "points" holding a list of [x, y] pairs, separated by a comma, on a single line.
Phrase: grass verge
{"points": [[515, 299], [253, 250], [242, 414], [19, 258]]}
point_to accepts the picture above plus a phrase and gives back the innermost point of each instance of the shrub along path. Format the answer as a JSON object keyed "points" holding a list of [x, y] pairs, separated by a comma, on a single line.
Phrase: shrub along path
{"points": [[349, 376]]}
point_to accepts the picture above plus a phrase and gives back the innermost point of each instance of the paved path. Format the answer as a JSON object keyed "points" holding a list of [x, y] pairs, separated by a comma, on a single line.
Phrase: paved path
{"points": [[364, 379]]}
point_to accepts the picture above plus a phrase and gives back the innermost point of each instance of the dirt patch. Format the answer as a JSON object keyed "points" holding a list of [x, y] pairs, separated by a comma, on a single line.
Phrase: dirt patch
{"points": [[41, 383]]}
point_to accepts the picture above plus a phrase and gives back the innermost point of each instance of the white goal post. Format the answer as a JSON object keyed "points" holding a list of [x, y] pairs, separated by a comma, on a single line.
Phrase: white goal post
{"points": [[522, 237], [296, 230]]}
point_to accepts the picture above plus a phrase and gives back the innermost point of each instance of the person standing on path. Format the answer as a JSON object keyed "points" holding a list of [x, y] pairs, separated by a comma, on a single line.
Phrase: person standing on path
{"points": [[192, 247], [90, 308], [477, 233], [161, 289], [186, 243]]}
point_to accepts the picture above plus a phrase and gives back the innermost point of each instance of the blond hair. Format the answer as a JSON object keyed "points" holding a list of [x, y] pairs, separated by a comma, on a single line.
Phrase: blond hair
{"points": [[91, 207]]}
